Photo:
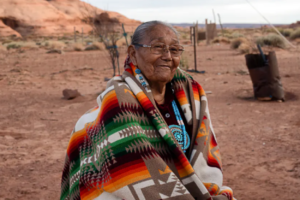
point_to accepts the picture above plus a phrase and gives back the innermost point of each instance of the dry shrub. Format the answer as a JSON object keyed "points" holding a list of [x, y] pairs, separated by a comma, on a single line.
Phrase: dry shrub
{"points": [[236, 35], [184, 62], [295, 34], [272, 39], [23, 45], [286, 32], [122, 42], [269, 30], [256, 35], [78, 47], [244, 48], [13, 46], [95, 46], [29, 45], [237, 42], [55, 44], [221, 40], [227, 35], [227, 31]]}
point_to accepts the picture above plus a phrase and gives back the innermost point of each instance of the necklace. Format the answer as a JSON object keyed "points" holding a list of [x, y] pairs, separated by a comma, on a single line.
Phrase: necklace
{"points": [[179, 132]]}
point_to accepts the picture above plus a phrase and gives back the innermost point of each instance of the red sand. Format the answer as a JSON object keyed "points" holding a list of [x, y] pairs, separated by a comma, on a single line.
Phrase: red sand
{"points": [[259, 141]]}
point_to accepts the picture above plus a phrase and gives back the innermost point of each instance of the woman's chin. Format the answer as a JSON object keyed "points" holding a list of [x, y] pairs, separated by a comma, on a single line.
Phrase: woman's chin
{"points": [[165, 79]]}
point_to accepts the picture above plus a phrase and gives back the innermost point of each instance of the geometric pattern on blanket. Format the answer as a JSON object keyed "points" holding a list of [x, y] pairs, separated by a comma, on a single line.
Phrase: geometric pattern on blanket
{"points": [[123, 148]]}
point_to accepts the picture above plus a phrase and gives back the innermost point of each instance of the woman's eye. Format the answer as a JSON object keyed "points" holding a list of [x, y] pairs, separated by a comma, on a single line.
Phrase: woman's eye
{"points": [[173, 49], [158, 46]]}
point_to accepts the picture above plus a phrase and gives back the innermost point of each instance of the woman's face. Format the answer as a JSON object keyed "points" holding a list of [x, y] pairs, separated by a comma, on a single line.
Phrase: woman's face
{"points": [[157, 68]]}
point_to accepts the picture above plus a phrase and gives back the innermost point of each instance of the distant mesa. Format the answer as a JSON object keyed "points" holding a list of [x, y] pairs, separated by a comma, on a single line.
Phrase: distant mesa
{"points": [[293, 25], [50, 17]]}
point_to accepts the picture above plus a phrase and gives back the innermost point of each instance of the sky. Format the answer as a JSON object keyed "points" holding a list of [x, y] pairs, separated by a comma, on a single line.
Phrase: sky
{"points": [[188, 11]]}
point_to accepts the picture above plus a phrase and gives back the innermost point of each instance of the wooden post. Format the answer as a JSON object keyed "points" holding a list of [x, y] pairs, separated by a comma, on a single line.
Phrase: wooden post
{"points": [[93, 35], [196, 33], [125, 34], [195, 44], [82, 35], [214, 16], [191, 34], [206, 32], [221, 24], [74, 34]]}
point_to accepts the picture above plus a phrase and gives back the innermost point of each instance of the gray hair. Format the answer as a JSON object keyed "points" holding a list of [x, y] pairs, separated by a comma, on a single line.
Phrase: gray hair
{"points": [[141, 31]]}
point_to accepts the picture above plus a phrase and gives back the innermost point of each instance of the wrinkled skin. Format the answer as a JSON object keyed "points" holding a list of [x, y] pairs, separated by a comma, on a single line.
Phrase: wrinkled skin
{"points": [[158, 69]]}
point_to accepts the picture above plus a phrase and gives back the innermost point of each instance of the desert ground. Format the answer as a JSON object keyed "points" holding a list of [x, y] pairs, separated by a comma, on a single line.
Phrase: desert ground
{"points": [[259, 141]]}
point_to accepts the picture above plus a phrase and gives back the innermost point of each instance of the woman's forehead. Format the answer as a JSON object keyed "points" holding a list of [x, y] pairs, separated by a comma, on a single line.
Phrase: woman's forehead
{"points": [[161, 33], [164, 39]]}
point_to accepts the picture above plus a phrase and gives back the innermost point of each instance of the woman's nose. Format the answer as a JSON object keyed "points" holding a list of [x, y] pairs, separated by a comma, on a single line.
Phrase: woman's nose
{"points": [[166, 54]]}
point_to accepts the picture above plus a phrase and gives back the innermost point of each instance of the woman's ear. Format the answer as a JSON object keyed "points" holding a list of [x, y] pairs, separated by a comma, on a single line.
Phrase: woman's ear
{"points": [[132, 54]]}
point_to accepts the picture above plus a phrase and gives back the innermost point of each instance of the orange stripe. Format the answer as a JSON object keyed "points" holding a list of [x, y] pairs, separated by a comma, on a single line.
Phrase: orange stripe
{"points": [[90, 194], [123, 168], [77, 136], [126, 180]]}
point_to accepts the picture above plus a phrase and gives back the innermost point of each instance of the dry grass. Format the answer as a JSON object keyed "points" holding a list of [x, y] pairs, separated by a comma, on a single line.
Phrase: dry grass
{"points": [[237, 42], [95, 46], [184, 62], [22, 44], [78, 47], [122, 41], [286, 32], [269, 30], [221, 40], [295, 34], [256, 35], [244, 48], [237, 35], [272, 39], [53, 44]]}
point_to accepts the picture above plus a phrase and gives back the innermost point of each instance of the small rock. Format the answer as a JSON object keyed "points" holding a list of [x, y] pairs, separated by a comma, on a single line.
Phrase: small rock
{"points": [[44, 187], [55, 51], [225, 82], [20, 175], [15, 70], [219, 73], [31, 169], [70, 94], [8, 137]]}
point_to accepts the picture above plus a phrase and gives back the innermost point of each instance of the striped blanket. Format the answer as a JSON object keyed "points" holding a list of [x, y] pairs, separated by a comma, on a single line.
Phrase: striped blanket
{"points": [[123, 148]]}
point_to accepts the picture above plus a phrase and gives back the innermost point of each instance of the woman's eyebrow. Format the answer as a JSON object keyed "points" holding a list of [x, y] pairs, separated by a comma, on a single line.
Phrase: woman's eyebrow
{"points": [[162, 38]]}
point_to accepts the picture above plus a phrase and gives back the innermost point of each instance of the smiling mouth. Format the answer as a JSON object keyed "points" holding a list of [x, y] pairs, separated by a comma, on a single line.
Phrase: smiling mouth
{"points": [[164, 66]]}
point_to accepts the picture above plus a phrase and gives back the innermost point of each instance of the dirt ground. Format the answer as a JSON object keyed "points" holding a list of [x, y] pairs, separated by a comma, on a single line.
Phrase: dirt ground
{"points": [[259, 141]]}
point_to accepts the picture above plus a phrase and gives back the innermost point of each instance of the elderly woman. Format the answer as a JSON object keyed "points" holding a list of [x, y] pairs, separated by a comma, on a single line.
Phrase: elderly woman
{"points": [[150, 137]]}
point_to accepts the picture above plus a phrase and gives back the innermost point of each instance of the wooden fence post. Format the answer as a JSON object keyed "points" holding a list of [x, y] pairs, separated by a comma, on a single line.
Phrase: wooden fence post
{"points": [[82, 35], [221, 24], [74, 34], [195, 44], [206, 32]]}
